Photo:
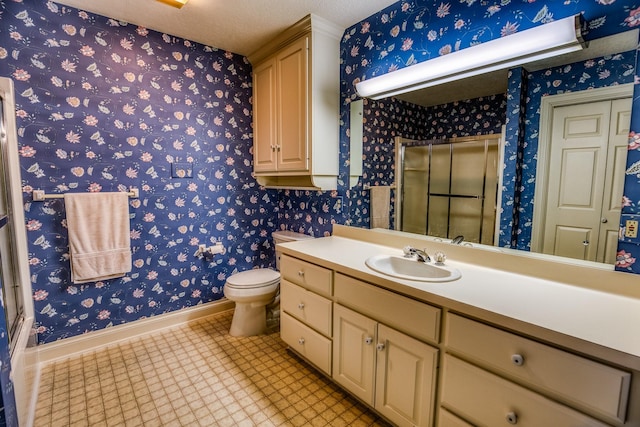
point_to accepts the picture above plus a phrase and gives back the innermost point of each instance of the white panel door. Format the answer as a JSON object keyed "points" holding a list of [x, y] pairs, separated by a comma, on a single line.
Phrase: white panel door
{"points": [[583, 206]]}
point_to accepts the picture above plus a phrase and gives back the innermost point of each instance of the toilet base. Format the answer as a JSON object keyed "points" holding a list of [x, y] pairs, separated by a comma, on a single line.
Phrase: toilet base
{"points": [[248, 320]]}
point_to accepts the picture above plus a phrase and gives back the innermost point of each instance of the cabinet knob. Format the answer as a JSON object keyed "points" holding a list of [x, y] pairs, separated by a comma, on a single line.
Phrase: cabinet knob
{"points": [[380, 346], [301, 341], [278, 147], [301, 273], [368, 340], [301, 306], [512, 418], [604, 220], [273, 148], [517, 359]]}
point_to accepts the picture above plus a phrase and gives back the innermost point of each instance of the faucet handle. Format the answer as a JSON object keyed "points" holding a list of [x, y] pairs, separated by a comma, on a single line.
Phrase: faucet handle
{"points": [[440, 257], [408, 251]]}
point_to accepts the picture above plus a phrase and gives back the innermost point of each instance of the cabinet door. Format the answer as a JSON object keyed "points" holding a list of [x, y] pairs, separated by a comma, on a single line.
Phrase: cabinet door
{"points": [[293, 103], [405, 378], [354, 352], [264, 117]]}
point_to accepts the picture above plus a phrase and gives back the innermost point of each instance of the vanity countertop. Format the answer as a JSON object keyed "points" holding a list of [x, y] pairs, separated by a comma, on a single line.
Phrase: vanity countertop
{"points": [[595, 316]]}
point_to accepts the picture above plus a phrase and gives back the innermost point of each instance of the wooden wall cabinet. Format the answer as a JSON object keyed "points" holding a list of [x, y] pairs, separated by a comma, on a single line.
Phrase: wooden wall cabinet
{"points": [[296, 89]]}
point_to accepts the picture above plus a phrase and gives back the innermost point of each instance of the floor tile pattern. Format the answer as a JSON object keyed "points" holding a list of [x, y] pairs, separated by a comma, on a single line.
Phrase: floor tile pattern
{"points": [[193, 375]]}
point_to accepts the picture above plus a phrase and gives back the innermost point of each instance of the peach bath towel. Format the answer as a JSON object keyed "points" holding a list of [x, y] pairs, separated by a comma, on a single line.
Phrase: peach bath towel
{"points": [[380, 197], [99, 235]]}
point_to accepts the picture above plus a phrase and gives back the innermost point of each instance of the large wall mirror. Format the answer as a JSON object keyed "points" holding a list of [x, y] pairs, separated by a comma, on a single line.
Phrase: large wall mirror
{"points": [[611, 63]]}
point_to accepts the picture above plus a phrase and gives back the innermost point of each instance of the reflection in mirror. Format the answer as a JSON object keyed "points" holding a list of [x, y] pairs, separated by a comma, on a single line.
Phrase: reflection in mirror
{"points": [[447, 188], [450, 111]]}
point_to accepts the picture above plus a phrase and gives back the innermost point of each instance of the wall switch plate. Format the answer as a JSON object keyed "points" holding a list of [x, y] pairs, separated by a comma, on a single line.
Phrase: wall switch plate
{"points": [[631, 229], [181, 170]]}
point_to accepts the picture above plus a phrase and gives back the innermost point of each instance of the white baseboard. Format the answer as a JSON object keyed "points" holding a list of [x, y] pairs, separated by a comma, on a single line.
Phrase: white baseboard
{"points": [[93, 340]]}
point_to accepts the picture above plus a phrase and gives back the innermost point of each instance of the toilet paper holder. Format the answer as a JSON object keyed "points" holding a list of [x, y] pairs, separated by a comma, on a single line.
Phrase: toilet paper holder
{"points": [[207, 252]]}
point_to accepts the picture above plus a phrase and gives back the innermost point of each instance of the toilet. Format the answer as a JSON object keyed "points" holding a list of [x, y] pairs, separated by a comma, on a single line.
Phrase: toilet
{"points": [[253, 290]]}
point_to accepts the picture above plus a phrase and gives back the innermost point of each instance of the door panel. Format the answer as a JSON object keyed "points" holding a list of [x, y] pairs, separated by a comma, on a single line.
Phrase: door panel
{"points": [[293, 100], [264, 113], [573, 242], [577, 168], [354, 352], [614, 180], [405, 378]]}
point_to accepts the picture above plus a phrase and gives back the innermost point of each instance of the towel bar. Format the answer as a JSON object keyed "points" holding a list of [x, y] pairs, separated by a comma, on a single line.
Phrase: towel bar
{"points": [[40, 195], [368, 187]]}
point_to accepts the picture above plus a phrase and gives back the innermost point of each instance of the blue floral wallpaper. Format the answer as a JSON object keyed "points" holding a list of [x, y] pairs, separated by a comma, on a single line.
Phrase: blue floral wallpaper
{"points": [[409, 32], [104, 106], [590, 74]]}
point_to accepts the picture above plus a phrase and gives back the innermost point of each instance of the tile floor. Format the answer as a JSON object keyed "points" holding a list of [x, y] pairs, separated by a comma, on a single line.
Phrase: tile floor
{"points": [[193, 375]]}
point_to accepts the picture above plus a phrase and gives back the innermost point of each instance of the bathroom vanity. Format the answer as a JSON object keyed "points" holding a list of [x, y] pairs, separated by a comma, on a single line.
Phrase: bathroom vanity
{"points": [[514, 341]]}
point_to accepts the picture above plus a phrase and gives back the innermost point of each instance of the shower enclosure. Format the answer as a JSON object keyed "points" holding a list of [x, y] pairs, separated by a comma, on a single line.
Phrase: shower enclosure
{"points": [[449, 188]]}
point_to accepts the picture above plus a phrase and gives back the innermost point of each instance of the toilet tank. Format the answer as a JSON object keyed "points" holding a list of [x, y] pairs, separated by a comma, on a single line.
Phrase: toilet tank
{"points": [[286, 236]]}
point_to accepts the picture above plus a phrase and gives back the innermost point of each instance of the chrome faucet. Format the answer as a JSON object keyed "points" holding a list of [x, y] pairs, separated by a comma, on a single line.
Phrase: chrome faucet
{"points": [[457, 240], [420, 255]]}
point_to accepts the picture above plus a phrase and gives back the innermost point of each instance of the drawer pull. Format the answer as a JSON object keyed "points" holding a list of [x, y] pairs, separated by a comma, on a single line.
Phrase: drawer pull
{"points": [[301, 341], [380, 346], [301, 306], [301, 273], [368, 340], [512, 418], [517, 359]]}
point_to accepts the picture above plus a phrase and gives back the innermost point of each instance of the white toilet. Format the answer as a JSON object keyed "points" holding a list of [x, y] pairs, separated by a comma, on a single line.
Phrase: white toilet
{"points": [[252, 290]]}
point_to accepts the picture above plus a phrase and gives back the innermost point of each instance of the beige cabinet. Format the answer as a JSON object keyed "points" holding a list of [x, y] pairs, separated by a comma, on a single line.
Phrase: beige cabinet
{"points": [[306, 318], [390, 371], [296, 107], [537, 384], [419, 364], [280, 104], [486, 399]]}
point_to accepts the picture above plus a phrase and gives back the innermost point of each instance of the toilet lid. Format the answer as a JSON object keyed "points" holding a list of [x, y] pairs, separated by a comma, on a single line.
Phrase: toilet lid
{"points": [[256, 278]]}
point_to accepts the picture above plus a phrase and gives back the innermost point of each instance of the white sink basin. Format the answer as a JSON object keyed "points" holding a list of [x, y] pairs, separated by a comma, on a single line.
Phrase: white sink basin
{"points": [[411, 269]]}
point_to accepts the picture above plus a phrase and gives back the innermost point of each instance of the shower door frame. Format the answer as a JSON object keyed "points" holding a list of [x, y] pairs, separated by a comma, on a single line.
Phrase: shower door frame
{"points": [[401, 143]]}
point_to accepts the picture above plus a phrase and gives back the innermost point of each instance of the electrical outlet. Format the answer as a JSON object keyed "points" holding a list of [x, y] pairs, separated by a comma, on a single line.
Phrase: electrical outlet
{"points": [[631, 229]]}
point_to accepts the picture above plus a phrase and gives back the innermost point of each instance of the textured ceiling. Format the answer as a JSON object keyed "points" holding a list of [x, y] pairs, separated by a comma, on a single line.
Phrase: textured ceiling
{"points": [[240, 26]]}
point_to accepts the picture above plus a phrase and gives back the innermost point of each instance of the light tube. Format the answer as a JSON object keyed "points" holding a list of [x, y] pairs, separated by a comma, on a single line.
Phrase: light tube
{"points": [[552, 39], [174, 3]]}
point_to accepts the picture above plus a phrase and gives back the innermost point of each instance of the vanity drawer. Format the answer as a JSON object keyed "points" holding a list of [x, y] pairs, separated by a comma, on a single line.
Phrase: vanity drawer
{"points": [[486, 399], [582, 381], [306, 306], [412, 317], [307, 342], [447, 419], [307, 275]]}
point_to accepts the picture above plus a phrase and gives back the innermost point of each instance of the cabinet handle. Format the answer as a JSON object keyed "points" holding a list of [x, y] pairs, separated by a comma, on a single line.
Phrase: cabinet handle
{"points": [[368, 340], [301, 341], [278, 147], [301, 306], [380, 346], [301, 273], [512, 418], [517, 359], [273, 148]]}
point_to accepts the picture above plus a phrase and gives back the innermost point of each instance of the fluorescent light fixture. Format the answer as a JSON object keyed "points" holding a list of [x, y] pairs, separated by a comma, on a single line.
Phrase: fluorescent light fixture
{"points": [[555, 38], [174, 3]]}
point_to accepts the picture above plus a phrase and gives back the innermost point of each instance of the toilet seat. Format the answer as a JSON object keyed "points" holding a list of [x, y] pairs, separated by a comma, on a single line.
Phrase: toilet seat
{"points": [[252, 279]]}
